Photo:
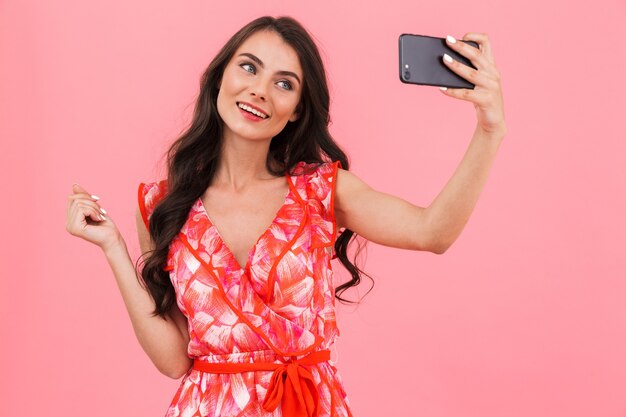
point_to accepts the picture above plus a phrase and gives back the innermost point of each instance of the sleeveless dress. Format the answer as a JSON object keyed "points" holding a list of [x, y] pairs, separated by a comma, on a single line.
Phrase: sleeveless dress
{"points": [[276, 313]]}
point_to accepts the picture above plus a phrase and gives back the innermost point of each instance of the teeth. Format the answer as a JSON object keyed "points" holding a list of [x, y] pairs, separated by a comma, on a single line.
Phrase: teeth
{"points": [[253, 111]]}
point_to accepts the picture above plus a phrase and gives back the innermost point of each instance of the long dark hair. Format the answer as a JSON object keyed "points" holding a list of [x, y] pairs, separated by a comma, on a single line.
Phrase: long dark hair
{"points": [[192, 158]]}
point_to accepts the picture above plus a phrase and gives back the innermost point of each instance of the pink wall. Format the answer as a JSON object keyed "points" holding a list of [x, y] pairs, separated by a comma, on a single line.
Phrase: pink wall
{"points": [[523, 316]]}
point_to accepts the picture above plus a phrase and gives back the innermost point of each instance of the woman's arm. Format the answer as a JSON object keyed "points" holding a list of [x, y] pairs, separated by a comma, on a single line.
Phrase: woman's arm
{"points": [[145, 244], [451, 209], [162, 340], [392, 221]]}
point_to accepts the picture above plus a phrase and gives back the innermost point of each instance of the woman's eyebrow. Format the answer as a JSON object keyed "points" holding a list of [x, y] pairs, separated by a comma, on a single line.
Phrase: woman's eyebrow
{"points": [[260, 63]]}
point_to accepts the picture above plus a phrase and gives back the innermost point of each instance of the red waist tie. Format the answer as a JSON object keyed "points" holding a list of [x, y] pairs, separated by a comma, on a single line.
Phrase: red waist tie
{"points": [[291, 382]]}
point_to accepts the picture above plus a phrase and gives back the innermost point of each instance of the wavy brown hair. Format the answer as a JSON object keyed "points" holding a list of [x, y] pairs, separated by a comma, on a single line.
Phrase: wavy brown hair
{"points": [[192, 158]]}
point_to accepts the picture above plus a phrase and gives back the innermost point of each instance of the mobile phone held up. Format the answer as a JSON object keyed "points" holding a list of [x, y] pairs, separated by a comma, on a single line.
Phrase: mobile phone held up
{"points": [[421, 62]]}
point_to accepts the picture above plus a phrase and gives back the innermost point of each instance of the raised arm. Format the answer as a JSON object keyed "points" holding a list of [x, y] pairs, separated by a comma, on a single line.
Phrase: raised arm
{"points": [[379, 217], [392, 221]]}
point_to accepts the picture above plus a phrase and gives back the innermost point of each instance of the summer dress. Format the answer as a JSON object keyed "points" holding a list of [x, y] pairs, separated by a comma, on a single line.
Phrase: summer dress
{"points": [[259, 335]]}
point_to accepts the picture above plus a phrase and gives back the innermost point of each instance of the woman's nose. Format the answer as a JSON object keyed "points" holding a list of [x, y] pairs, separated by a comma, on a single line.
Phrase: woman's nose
{"points": [[259, 90], [259, 96]]}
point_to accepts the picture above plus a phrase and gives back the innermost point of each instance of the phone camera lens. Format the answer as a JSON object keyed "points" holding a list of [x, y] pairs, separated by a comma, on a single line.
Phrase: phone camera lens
{"points": [[407, 75]]}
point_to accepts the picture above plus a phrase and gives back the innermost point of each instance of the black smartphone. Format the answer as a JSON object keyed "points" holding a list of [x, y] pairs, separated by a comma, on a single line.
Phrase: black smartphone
{"points": [[421, 62]]}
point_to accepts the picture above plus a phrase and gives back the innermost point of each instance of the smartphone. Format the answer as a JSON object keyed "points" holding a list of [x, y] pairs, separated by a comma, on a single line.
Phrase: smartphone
{"points": [[421, 62]]}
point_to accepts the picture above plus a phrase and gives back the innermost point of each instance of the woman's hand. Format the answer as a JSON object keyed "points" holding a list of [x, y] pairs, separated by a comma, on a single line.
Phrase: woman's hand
{"points": [[487, 92], [87, 220]]}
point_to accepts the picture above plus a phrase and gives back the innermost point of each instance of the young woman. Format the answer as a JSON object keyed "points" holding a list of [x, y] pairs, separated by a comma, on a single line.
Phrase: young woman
{"points": [[243, 311]]}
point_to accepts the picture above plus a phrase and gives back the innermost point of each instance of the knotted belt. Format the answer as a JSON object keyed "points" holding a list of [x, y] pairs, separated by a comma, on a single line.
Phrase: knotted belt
{"points": [[291, 382]]}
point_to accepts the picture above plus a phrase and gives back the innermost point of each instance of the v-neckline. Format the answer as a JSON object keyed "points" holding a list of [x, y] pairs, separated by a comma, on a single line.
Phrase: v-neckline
{"points": [[256, 243]]}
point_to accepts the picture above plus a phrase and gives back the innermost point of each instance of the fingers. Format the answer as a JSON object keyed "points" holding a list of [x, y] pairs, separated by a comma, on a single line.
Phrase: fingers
{"points": [[80, 215], [89, 209], [483, 42], [481, 57], [83, 197], [460, 93], [78, 189], [485, 77], [470, 74], [88, 221], [467, 50], [81, 202]]}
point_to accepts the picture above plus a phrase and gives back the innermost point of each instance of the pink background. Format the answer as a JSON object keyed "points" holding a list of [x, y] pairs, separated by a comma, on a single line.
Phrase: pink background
{"points": [[524, 316]]}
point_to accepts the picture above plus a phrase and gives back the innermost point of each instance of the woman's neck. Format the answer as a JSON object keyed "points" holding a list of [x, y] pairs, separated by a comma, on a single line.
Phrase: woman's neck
{"points": [[242, 163]]}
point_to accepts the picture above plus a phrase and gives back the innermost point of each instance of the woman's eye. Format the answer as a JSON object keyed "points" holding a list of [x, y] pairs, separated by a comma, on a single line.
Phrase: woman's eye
{"points": [[285, 84], [248, 67]]}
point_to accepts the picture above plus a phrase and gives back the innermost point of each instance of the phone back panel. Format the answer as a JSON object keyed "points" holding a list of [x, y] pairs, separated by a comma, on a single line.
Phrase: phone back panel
{"points": [[421, 62]]}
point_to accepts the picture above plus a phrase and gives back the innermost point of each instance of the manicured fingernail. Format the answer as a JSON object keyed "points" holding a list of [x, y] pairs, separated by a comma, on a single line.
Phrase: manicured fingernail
{"points": [[447, 58], [443, 88], [103, 210], [95, 197], [451, 39], [102, 217]]}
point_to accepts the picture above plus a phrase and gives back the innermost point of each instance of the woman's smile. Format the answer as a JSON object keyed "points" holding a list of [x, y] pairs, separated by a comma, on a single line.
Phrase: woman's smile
{"points": [[262, 83], [252, 112]]}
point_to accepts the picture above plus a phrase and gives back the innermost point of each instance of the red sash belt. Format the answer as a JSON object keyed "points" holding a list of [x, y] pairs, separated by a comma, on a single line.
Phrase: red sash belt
{"points": [[291, 382]]}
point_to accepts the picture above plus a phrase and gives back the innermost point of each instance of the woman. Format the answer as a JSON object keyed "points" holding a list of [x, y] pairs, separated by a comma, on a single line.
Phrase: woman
{"points": [[245, 311]]}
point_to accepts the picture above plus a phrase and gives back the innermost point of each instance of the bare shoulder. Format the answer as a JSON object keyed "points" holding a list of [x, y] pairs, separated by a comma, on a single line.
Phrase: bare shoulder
{"points": [[349, 181], [380, 217], [347, 188]]}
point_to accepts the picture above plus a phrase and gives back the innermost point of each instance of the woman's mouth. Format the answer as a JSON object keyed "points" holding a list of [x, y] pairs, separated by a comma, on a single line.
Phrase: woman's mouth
{"points": [[251, 112]]}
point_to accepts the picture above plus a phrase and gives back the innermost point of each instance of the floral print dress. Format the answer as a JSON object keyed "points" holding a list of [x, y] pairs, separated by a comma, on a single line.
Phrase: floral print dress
{"points": [[259, 335]]}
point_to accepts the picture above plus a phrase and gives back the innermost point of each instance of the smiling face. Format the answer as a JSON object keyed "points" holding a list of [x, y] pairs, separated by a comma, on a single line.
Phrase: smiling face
{"points": [[260, 88]]}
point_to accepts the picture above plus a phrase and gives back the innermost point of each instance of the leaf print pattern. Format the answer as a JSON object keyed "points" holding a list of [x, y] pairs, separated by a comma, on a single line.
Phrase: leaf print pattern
{"points": [[280, 305]]}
